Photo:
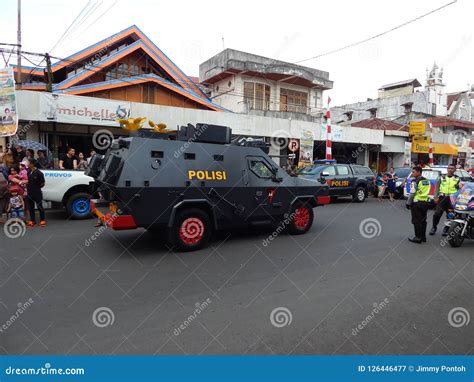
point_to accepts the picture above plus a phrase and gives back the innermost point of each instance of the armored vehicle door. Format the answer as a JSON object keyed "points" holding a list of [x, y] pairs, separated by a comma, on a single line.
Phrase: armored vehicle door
{"points": [[263, 184]]}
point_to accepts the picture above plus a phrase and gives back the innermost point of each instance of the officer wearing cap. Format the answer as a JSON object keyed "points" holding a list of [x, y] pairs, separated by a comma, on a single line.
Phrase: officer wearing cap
{"points": [[418, 204], [446, 186]]}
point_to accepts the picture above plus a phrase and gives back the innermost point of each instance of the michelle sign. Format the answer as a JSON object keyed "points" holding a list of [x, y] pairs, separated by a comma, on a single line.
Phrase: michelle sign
{"points": [[82, 110], [8, 109]]}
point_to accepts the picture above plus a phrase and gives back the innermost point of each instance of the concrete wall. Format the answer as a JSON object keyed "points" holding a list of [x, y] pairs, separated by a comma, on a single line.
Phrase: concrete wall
{"points": [[391, 107]]}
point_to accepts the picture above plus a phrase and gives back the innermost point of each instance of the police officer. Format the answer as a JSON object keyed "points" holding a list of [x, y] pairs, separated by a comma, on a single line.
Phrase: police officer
{"points": [[446, 186], [418, 203]]}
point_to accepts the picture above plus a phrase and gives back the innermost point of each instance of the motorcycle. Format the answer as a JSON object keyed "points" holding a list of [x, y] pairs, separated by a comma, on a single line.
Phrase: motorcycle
{"points": [[461, 225]]}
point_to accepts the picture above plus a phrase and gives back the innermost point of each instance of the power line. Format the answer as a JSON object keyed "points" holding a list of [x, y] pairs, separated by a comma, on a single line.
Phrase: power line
{"points": [[379, 34], [70, 26]]}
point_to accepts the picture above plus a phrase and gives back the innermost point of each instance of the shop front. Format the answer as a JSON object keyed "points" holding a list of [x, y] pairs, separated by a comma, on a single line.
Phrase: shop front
{"points": [[443, 153]]}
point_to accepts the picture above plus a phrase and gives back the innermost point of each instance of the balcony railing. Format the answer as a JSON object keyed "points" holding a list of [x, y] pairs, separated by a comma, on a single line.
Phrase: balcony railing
{"points": [[281, 107]]}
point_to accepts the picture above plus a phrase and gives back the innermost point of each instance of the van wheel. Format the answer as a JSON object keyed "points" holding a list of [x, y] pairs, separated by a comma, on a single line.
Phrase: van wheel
{"points": [[78, 206], [359, 195], [191, 230], [301, 219]]}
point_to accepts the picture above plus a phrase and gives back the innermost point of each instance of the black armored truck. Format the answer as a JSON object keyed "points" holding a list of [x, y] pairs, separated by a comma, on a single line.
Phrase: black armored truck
{"points": [[193, 181]]}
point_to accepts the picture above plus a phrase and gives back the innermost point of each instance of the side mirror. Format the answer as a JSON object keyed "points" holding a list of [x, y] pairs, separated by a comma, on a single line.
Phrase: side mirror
{"points": [[324, 173]]}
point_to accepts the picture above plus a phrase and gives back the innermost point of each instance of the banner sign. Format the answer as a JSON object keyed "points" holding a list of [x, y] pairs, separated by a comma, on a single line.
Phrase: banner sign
{"points": [[8, 108], [416, 127], [407, 154], [82, 110], [421, 139], [306, 147], [336, 133]]}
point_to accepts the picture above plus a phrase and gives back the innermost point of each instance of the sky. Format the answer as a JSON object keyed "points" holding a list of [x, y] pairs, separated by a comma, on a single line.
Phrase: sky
{"points": [[190, 32]]}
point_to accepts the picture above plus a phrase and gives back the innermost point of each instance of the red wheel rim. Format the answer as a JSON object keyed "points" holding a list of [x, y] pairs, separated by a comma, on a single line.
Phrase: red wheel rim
{"points": [[191, 231], [301, 218]]}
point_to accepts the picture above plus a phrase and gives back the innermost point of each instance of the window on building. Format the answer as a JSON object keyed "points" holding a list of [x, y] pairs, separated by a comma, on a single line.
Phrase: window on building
{"points": [[122, 71], [349, 115], [433, 109], [257, 96], [373, 112], [294, 101], [408, 107]]}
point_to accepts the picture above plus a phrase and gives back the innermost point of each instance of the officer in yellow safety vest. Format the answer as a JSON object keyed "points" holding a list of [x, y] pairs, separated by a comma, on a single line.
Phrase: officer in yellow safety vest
{"points": [[446, 186], [418, 204]]}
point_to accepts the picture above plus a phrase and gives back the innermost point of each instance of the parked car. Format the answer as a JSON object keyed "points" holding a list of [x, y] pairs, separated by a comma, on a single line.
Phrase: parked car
{"points": [[69, 189], [463, 175], [343, 179], [429, 173]]}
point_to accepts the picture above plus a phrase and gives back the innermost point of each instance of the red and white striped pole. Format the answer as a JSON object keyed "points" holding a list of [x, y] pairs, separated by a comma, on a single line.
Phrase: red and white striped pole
{"points": [[430, 149], [328, 132]]}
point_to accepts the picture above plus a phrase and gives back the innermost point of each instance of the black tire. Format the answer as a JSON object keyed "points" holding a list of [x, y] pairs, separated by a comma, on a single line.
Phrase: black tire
{"points": [[454, 235], [191, 230], [78, 207], [359, 195], [301, 219]]}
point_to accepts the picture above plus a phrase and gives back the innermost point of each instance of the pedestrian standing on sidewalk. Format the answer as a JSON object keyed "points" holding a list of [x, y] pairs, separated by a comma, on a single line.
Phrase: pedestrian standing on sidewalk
{"points": [[35, 195], [391, 183], [418, 204]]}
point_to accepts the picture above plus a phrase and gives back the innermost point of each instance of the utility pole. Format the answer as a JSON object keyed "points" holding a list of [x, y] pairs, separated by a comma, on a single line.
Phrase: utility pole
{"points": [[49, 73], [19, 43]]}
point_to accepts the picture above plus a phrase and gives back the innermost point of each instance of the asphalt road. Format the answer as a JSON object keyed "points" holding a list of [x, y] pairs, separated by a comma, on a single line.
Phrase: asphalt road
{"points": [[336, 290]]}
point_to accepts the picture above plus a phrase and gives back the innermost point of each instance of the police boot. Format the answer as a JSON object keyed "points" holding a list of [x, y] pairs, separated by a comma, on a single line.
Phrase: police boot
{"points": [[445, 230], [418, 235], [433, 231]]}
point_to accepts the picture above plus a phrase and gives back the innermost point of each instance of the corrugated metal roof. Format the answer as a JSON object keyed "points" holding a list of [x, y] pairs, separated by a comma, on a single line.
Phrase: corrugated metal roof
{"points": [[412, 81]]}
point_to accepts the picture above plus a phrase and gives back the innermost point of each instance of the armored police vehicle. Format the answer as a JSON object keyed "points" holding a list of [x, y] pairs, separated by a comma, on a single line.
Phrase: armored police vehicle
{"points": [[193, 181]]}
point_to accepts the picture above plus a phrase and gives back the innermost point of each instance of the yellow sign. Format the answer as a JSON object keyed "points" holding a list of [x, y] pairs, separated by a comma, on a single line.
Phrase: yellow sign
{"points": [[207, 175], [416, 127], [438, 148], [421, 139]]}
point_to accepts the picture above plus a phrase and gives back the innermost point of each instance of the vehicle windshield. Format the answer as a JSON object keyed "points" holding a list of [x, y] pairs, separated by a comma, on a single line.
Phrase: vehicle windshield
{"points": [[431, 174], [311, 170]]}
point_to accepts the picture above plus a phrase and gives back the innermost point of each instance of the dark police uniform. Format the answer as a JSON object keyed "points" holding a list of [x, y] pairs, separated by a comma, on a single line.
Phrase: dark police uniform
{"points": [[446, 186], [418, 203]]}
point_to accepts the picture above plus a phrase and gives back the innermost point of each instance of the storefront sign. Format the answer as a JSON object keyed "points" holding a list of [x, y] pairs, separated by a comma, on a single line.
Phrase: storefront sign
{"points": [[82, 110], [8, 109], [438, 148], [306, 147], [416, 127]]}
